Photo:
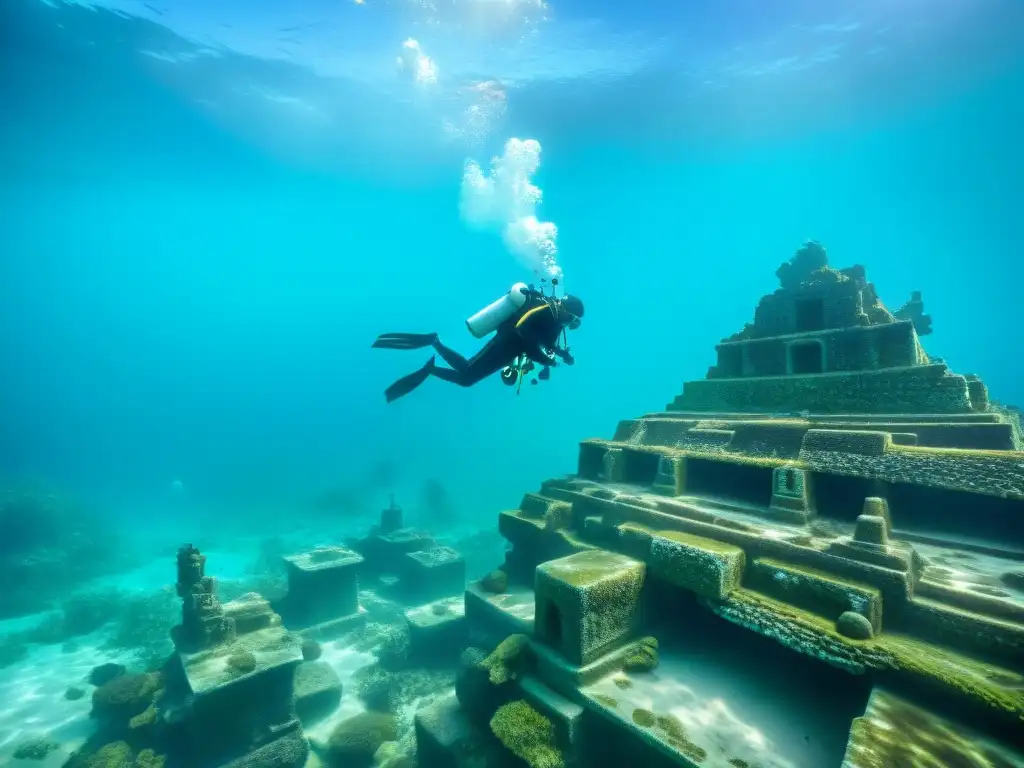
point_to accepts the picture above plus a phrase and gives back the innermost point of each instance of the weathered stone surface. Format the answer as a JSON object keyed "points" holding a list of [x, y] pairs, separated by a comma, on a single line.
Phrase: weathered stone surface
{"points": [[895, 732], [434, 573], [251, 612], [317, 691], [707, 567], [322, 585], [437, 629], [587, 603]]}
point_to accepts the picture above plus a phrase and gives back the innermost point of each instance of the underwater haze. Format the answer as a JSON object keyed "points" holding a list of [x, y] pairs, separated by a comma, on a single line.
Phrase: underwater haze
{"points": [[211, 208]]}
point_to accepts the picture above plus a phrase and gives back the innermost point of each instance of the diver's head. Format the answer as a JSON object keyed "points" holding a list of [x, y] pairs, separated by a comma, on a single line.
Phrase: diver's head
{"points": [[570, 311]]}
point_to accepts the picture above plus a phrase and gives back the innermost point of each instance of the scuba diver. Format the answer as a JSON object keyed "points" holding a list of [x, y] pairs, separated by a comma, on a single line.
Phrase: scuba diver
{"points": [[527, 326]]}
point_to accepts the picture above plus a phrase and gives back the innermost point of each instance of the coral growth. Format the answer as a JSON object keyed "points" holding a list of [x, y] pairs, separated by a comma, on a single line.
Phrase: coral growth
{"points": [[49, 544], [527, 734], [644, 658], [354, 741], [509, 660]]}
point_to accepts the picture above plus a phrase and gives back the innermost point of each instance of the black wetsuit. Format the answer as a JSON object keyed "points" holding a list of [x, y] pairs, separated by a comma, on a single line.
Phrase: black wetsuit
{"points": [[532, 330]]}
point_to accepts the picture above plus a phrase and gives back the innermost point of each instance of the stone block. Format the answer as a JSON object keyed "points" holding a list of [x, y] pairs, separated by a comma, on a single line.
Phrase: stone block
{"points": [[566, 716], [791, 495], [433, 573], [587, 603], [871, 530], [876, 506], [317, 691], [437, 629], [447, 738], [242, 696], [820, 593], [494, 617], [384, 552], [322, 585], [707, 567], [288, 751], [251, 612]]}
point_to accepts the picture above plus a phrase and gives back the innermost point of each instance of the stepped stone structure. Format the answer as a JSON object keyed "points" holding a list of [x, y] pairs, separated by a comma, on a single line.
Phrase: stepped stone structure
{"points": [[831, 520], [232, 704]]}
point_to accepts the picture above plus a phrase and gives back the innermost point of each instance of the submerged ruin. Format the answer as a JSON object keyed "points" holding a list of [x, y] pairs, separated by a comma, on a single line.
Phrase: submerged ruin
{"points": [[812, 557]]}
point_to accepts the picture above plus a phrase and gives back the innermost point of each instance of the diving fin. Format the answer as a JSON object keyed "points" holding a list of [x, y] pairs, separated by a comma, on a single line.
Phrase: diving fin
{"points": [[407, 384], [404, 340]]}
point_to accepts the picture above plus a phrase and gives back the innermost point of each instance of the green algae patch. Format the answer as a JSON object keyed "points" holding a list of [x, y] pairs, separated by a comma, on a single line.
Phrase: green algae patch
{"points": [[643, 717], [645, 658], [707, 567], [737, 762], [939, 667], [608, 701], [527, 734], [623, 683], [674, 734], [509, 660]]}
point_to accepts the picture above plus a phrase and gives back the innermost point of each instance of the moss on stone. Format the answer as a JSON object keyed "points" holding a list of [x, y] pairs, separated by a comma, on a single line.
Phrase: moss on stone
{"points": [[705, 566], [643, 717], [974, 681], [355, 740], [558, 515], [495, 582], [147, 758], [821, 593], [623, 683], [608, 701], [645, 657], [241, 662], [114, 755], [509, 660], [737, 762], [35, 749], [587, 602], [673, 732], [527, 734], [125, 697], [894, 732]]}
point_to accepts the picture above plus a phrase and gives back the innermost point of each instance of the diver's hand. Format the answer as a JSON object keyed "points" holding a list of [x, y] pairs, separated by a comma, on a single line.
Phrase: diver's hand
{"points": [[569, 359]]}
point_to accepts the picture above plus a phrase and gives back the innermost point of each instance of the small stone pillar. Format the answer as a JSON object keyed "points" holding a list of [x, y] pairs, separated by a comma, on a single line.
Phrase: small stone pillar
{"points": [[792, 500], [876, 506], [670, 479], [391, 518], [203, 620]]}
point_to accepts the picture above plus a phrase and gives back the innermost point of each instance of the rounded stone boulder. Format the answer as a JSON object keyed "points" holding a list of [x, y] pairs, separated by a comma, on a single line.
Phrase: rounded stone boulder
{"points": [[855, 626]]}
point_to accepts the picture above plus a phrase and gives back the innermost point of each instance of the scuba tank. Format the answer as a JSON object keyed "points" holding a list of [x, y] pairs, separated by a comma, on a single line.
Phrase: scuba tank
{"points": [[494, 314]]}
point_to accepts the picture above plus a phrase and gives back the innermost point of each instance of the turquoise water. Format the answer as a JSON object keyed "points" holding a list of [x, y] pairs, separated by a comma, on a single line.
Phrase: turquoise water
{"points": [[211, 210]]}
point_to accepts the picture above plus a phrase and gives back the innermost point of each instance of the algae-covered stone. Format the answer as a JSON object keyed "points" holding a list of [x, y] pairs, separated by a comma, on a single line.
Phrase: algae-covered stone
{"points": [[510, 659], [35, 749], [896, 732], [821, 593], [854, 626], [125, 697], [317, 690], [527, 734], [709, 568], [587, 603], [645, 658], [355, 740], [495, 582]]}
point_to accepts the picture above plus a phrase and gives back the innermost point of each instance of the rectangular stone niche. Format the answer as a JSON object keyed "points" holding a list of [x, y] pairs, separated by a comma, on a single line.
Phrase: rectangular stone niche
{"points": [[587, 603]]}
